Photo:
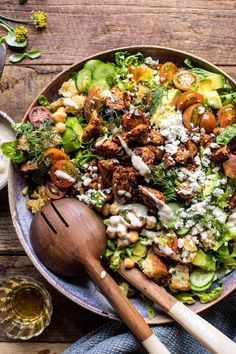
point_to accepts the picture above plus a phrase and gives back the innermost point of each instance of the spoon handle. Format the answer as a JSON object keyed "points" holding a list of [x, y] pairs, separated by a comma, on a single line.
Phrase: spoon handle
{"points": [[124, 308], [214, 340]]}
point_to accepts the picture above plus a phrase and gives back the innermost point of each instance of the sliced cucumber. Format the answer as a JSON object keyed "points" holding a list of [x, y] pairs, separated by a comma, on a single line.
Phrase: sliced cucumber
{"points": [[83, 80], [103, 70], [204, 288], [92, 64], [199, 278], [102, 84]]}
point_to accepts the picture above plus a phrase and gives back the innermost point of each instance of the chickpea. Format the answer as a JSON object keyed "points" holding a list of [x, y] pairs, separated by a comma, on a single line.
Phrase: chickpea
{"points": [[25, 190], [110, 234], [114, 209], [106, 209], [132, 236], [128, 263], [59, 116], [151, 222], [121, 243], [61, 109], [60, 127]]}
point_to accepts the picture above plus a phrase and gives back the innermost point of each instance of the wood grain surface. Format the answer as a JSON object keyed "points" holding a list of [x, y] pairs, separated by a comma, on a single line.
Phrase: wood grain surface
{"points": [[76, 29]]}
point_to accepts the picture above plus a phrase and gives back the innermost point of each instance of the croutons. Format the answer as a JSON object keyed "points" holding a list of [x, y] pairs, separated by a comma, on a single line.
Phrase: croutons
{"points": [[153, 267], [180, 278]]}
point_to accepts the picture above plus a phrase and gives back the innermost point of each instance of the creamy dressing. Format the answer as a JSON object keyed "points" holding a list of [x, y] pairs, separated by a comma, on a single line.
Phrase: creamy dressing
{"points": [[133, 220], [139, 209], [70, 103], [100, 142], [165, 213], [63, 175], [136, 161]]}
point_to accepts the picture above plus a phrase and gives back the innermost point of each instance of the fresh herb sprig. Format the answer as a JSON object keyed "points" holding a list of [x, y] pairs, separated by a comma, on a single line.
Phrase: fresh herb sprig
{"points": [[167, 179], [32, 54]]}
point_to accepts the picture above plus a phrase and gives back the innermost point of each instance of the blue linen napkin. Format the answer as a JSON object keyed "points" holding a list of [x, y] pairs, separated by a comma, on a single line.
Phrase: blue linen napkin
{"points": [[115, 338]]}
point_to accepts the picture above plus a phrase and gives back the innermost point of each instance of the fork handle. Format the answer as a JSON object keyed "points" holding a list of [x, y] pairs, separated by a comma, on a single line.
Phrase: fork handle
{"points": [[214, 340]]}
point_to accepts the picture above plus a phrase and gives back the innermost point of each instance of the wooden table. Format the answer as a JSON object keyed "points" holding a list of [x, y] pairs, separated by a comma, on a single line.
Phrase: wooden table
{"points": [[78, 28]]}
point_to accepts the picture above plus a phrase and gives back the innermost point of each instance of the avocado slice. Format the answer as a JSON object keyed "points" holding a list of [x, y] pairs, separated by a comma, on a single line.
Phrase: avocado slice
{"points": [[212, 99], [212, 83], [204, 261], [72, 136]]}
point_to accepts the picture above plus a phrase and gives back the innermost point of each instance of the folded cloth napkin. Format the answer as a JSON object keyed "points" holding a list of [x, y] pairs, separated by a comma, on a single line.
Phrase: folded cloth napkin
{"points": [[115, 338]]}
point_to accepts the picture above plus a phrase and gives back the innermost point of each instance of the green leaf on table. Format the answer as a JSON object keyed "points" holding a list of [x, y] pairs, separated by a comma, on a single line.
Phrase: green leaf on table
{"points": [[11, 41], [15, 58], [34, 53]]}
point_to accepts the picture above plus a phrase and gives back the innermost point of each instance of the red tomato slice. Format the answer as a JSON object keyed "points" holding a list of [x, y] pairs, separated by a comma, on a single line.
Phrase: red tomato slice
{"points": [[208, 122], [53, 192], [55, 155], [227, 115], [191, 116], [63, 174], [39, 114], [188, 98], [183, 80], [167, 71]]}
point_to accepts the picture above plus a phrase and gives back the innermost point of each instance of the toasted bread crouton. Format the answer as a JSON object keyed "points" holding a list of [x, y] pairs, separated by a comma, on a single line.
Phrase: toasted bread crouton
{"points": [[180, 278], [153, 267]]}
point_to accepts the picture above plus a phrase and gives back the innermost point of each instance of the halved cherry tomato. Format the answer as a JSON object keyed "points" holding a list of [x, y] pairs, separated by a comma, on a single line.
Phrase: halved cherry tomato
{"points": [[53, 192], [183, 80], [208, 121], [188, 98], [39, 114], [227, 115], [140, 73], [68, 170], [167, 71], [55, 155], [191, 116]]}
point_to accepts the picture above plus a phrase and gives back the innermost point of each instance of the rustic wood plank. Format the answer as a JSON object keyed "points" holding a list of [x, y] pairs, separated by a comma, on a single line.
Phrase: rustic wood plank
{"points": [[20, 85], [32, 348], [79, 28], [69, 321]]}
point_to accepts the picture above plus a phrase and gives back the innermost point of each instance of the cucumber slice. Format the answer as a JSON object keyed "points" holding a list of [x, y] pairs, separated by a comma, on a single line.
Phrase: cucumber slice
{"points": [[199, 278], [83, 80], [204, 288], [103, 70], [102, 84], [92, 64]]}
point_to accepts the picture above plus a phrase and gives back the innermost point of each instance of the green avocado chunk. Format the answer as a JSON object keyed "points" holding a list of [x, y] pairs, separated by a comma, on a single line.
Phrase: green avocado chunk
{"points": [[211, 83], [72, 136], [204, 261], [212, 99]]}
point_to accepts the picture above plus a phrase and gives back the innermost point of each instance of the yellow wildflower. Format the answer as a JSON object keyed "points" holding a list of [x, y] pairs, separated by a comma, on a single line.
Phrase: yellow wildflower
{"points": [[40, 19], [20, 33]]}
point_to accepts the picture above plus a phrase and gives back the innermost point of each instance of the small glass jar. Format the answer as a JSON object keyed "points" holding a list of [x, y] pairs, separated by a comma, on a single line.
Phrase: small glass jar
{"points": [[25, 307]]}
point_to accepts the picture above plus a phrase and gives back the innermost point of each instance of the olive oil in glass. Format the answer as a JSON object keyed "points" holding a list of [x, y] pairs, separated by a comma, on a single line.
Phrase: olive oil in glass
{"points": [[25, 308]]}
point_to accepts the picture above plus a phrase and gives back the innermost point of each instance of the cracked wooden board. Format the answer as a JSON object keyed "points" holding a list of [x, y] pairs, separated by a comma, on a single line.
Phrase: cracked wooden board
{"points": [[32, 348]]}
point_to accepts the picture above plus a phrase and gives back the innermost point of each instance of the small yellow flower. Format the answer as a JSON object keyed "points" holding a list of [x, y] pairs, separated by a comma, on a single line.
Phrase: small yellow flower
{"points": [[40, 19], [20, 33]]}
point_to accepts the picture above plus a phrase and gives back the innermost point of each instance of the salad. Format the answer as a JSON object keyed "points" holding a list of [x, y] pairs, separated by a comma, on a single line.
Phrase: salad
{"points": [[152, 147]]}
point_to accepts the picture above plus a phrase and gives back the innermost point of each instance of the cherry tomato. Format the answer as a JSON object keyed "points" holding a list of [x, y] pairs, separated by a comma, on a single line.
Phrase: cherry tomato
{"points": [[208, 122], [188, 98], [140, 73], [183, 80], [55, 155], [227, 115], [191, 116], [67, 168], [39, 114], [167, 71], [53, 192]]}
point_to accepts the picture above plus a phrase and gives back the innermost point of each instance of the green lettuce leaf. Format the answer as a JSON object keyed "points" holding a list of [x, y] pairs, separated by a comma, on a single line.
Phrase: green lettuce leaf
{"points": [[9, 150], [186, 298], [207, 297]]}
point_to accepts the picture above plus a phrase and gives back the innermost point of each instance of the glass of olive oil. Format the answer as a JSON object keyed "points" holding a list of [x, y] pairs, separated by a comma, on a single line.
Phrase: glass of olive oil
{"points": [[25, 307]]}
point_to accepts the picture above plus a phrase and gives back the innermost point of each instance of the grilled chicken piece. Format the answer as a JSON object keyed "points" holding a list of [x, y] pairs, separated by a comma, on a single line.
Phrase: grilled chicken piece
{"points": [[146, 153], [139, 134], [229, 166], [168, 160], [156, 138], [106, 169], [206, 139], [93, 102], [121, 183], [192, 148], [107, 148], [149, 195], [232, 145], [183, 155], [221, 154], [93, 128], [130, 121], [185, 192], [118, 100], [232, 201], [29, 166]]}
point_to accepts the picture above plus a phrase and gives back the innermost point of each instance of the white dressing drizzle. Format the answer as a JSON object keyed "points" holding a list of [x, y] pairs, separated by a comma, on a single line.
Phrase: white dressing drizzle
{"points": [[63, 175], [100, 142]]}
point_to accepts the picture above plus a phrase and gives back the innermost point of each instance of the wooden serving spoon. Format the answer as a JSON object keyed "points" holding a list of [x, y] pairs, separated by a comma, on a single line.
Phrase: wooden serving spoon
{"points": [[68, 235]]}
